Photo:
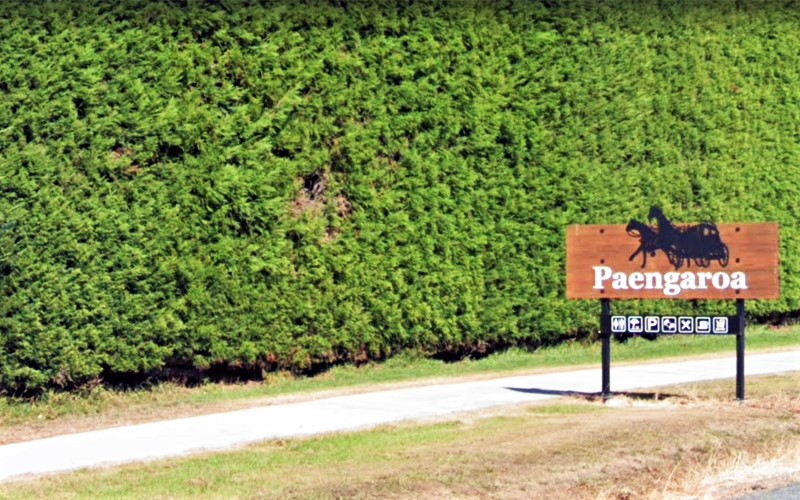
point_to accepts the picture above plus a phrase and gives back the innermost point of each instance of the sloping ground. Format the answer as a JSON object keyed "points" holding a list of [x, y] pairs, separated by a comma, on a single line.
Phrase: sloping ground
{"points": [[353, 412], [688, 441]]}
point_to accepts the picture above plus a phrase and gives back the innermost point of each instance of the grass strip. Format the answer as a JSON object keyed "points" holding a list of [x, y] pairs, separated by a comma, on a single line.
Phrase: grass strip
{"points": [[68, 412], [578, 447]]}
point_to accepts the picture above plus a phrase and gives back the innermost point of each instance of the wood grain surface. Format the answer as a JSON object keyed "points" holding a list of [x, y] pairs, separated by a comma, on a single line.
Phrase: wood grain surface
{"points": [[753, 249]]}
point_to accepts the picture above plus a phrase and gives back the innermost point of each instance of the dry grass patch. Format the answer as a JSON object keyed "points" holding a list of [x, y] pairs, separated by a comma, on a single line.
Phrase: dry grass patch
{"points": [[682, 442]]}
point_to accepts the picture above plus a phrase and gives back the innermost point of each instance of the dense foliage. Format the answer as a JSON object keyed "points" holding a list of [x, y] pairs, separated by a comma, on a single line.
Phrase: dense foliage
{"points": [[292, 183]]}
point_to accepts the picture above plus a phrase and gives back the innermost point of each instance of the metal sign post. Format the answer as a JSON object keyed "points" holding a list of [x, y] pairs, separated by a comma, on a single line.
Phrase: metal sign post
{"points": [[624, 327], [740, 350], [659, 259], [605, 307]]}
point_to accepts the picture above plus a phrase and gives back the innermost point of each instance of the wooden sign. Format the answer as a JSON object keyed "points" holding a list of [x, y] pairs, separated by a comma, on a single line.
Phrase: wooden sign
{"points": [[668, 261]]}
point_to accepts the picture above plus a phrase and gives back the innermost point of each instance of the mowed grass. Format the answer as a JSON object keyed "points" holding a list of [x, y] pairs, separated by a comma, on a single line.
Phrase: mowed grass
{"points": [[675, 442], [56, 413]]}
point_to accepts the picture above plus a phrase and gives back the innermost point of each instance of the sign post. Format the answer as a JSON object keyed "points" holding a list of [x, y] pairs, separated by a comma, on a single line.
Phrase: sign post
{"points": [[605, 306], [662, 260], [740, 351]]}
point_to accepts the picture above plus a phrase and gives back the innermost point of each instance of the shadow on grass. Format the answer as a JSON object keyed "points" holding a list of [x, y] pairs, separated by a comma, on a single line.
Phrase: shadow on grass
{"points": [[596, 396]]}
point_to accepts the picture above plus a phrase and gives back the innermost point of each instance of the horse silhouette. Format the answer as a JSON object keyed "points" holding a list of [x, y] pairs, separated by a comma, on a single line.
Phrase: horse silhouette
{"points": [[648, 240]]}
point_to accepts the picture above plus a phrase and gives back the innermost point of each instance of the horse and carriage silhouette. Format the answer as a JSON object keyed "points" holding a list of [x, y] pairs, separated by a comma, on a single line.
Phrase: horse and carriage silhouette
{"points": [[700, 243]]}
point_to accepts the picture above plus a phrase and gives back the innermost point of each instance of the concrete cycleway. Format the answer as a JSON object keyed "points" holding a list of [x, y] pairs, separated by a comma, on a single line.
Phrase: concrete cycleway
{"points": [[222, 431]]}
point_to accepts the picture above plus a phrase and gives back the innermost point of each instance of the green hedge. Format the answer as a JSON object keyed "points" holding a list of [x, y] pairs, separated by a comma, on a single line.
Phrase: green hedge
{"points": [[294, 183]]}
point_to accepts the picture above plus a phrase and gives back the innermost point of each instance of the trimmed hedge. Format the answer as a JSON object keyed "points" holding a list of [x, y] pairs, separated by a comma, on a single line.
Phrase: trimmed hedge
{"points": [[280, 185]]}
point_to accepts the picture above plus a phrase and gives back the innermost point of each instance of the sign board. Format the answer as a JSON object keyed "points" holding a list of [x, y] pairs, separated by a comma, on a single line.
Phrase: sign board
{"points": [[663, 260], [651, 326]]}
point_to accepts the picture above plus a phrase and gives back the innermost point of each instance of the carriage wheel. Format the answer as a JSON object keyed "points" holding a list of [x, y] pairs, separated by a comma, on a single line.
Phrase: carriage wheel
{"points": [[703, 261], [675, 260], [723, 261]]}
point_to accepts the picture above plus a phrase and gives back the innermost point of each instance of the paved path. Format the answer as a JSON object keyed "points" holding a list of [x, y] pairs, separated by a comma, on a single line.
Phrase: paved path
{"points": [[344, 413], [791, 492]]}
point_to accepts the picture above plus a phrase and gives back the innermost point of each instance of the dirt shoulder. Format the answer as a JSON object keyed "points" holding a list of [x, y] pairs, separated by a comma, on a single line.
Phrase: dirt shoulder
{"points": [[681, 442]]}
